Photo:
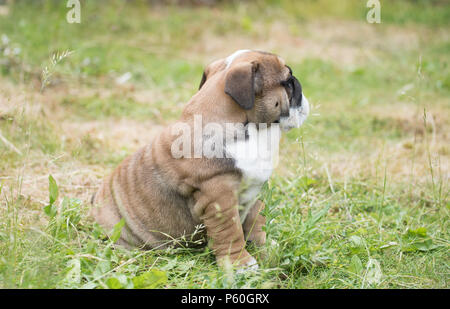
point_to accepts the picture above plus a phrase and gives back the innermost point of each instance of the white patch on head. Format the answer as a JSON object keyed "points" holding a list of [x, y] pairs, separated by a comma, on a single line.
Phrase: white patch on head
{"points": [[297, 115], [256, 157], [229, 60]]}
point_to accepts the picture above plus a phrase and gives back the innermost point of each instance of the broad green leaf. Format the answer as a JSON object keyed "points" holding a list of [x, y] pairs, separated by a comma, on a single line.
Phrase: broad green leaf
{"points": [[117, 230], [113, 283], [420, 232], [50, 210], [150, 279], [306, 182], [426, 245], [417, 240], [356, 265], [52, 189]]}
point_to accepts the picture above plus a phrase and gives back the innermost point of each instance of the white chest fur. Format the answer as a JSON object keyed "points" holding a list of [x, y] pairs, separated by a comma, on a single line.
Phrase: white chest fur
{"points": [[256, 157]]}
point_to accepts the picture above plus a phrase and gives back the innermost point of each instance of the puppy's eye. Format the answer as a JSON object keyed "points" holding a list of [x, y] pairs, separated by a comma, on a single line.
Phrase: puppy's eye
{"points": [[276, 105]]}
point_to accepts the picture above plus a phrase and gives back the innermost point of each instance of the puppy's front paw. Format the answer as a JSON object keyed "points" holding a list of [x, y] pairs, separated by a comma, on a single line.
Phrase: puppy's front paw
{"points": [[242, 263], [250, 265]]}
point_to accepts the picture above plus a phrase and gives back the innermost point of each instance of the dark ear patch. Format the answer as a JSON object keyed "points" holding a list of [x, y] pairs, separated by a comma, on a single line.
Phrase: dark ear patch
{"points": [[202, 81], [297, 95], [240, 84]]}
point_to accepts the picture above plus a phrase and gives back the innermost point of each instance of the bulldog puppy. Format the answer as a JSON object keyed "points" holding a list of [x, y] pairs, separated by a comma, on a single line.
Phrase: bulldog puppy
{"points": [[170, 193]]}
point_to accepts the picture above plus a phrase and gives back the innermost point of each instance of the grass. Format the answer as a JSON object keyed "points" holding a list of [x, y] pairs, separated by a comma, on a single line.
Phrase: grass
{"points": [[359, 200]]}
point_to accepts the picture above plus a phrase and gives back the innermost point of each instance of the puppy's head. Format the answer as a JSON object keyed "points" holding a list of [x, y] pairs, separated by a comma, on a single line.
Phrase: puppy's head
{"points": [[263, 86]]}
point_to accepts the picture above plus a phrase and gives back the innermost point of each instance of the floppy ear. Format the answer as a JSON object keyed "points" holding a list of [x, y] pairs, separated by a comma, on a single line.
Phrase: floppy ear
{"points": [[240, 84]]}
